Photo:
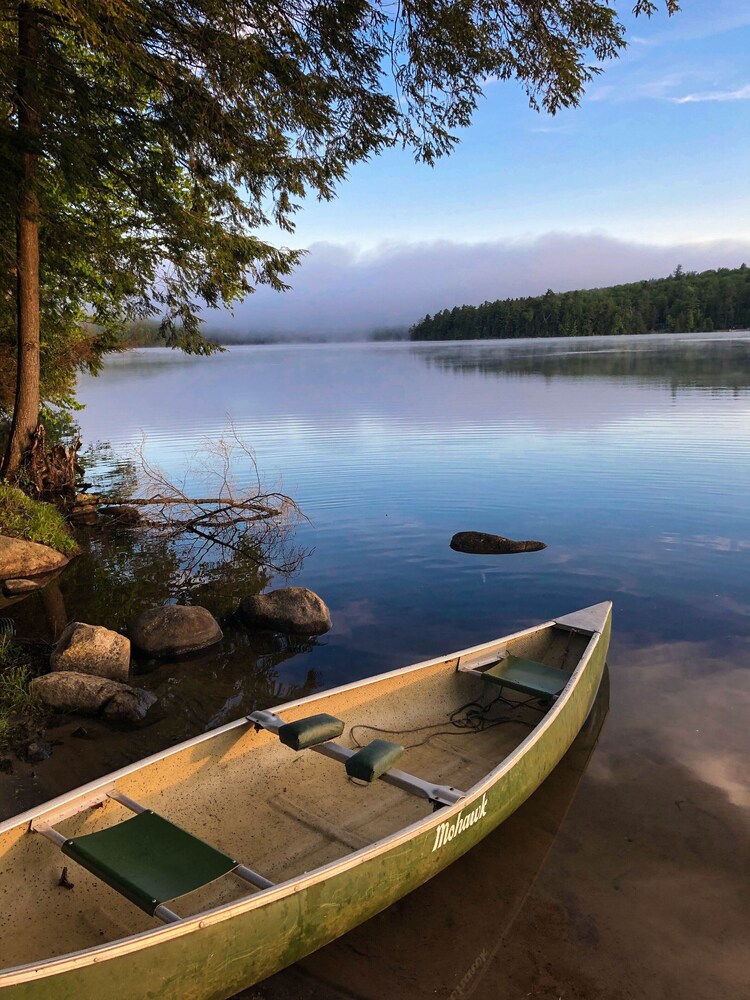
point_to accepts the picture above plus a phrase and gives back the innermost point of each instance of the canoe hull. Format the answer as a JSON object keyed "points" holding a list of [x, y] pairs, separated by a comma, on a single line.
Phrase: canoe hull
{"points": [[229, 949]]}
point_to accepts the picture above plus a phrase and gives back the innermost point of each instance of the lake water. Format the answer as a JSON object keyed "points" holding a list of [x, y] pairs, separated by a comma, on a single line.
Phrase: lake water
{"points": [[630, 458]]}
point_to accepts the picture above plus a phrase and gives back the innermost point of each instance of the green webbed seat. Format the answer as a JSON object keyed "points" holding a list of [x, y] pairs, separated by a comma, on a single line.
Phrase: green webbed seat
{"points": [[148, 859], [311, 731], [373, 760], [527, 676]]}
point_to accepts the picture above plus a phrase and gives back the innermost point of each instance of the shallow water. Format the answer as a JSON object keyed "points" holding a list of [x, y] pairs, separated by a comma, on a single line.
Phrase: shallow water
{"points": [[630, 457]]}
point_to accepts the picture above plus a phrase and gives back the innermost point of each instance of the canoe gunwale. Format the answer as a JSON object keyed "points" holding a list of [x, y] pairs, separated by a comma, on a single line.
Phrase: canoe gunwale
{"points": [[55, 809]]}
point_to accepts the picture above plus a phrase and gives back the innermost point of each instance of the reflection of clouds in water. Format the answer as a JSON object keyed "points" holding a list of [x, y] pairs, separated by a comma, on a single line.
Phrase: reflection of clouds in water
{"points": [[683, 700], [733, 605], [352, 616], [721, 772], [718, 543]]}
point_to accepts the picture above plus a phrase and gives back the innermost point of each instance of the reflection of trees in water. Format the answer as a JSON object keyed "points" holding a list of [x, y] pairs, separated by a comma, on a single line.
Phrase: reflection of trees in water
{"points": [[698, 364], [121, 574], [206, 512], [207, 691]]}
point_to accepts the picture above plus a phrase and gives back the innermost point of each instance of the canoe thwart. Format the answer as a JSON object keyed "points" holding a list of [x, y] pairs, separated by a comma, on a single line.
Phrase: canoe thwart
{"points": [[266, 720], [438, 795], [527, 676], [371, 761], [306, 733]]}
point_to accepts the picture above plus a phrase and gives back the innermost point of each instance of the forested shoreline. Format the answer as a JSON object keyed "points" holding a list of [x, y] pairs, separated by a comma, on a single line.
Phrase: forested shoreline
{"points": [[686, 301]]}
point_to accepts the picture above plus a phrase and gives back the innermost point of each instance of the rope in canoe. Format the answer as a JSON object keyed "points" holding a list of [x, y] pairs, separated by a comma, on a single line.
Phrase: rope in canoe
{"points": [[474, 720]]}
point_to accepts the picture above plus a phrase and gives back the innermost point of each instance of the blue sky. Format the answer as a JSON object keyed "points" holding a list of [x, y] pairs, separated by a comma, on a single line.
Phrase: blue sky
{"points": [[657, 155]]}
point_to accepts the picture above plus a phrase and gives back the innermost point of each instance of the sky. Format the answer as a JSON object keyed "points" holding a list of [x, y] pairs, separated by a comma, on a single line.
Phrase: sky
{"points": [[650, 170]]}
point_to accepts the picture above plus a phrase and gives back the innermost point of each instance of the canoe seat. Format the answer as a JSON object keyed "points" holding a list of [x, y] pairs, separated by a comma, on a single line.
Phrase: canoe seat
{"points": [[146, 858], [370, 760], [373, 760], [527, 676], [309, 732]]}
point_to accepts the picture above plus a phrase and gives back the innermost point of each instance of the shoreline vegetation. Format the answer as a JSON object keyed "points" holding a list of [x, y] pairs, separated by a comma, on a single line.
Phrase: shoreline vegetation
{"points": [[34, 521], [684, 302]]}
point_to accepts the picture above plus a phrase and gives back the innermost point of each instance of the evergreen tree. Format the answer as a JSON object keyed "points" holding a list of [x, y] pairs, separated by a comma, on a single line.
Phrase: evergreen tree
{"points": [[145, 143], [682, 302]]}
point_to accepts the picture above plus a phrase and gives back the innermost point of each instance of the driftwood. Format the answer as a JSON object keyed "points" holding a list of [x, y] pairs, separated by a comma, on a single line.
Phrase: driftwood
{"points": [[220, 502], [247, 520], [50, 473]]}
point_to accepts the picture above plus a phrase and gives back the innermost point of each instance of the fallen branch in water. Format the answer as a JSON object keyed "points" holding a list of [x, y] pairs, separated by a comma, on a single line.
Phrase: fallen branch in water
{"points": [[202, 501], [247, 519]]}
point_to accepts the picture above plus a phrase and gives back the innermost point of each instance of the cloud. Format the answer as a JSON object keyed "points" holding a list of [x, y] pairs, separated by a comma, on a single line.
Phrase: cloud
{"points": [[343, 291], [741, 94], [553, 129], [660, 88]]}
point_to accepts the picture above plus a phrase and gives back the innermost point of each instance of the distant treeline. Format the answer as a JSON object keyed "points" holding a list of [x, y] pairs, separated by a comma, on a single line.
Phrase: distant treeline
{"points": [[143, 334], [685, 302]]}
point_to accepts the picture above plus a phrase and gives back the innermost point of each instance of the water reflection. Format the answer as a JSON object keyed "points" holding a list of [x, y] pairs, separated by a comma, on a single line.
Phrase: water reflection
{"points": [[710, 362], [446, 938]]}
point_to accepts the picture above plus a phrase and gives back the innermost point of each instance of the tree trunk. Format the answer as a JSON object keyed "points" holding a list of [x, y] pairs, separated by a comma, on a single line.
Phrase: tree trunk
{"points": [[26, 409]]}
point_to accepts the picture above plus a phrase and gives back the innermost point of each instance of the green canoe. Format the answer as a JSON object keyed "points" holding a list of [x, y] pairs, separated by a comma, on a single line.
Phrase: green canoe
{"points": [[208, 867]]}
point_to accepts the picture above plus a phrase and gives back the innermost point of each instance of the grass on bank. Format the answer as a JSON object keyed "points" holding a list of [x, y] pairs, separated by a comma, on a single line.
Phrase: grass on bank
{"points": [[33, 521], [15, 698]]}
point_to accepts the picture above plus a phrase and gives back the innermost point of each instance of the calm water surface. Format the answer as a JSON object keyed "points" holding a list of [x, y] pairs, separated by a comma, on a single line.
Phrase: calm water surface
{"points": [[630, 457]]}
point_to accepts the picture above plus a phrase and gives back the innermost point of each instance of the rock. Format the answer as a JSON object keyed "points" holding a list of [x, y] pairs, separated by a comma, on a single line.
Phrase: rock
{"points": [[481, 543], [83, 517], [175, 630], [129, 704], [92, 649], [38, 751], [22, 560], [68, 691], [11, 588], [83, 512], [86, 500], [293, 610], [81, 733], [122, 517], [20, 587]]}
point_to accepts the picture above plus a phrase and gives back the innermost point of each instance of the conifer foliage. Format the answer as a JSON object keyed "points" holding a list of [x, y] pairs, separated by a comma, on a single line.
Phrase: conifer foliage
{"points": [[684, 302], [144, 145]]}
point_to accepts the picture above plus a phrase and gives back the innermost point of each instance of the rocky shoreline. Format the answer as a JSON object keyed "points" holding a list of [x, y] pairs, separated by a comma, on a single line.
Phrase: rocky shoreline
{"points": [[94, 671]]}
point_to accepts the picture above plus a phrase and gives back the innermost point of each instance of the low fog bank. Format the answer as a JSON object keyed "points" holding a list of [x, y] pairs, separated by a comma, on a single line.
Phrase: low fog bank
{"points": [[340, 292]]}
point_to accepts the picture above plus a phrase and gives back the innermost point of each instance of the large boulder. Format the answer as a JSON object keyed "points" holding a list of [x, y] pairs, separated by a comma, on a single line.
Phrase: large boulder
{"points": [[20, 559], [69, 691], [174, 630], [92, 649], [293, 610], [481, 543]]}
